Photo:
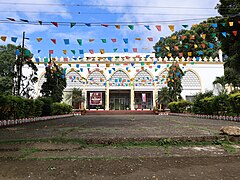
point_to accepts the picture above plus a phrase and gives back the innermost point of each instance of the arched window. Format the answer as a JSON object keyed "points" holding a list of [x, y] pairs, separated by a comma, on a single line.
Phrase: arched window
{"points": [[191, 80], [143, 78], [74, 80], [119, 78], [161, 79], [96, 79]]}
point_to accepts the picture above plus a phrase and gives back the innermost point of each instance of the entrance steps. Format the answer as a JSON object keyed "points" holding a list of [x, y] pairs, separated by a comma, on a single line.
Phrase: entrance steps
{"points": [[119, 112]]}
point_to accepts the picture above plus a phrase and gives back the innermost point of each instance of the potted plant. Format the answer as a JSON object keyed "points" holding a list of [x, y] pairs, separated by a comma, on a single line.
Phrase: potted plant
{"points": [[155, 110]]}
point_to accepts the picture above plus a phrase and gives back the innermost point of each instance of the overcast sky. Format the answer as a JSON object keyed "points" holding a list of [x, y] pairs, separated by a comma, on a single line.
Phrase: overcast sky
{"points": [[139, 13]]}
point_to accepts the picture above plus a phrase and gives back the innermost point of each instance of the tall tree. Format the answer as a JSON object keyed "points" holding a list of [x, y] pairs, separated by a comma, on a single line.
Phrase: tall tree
{"points": [[199, 41], [230, 25], [174, 84], [55, 82]]}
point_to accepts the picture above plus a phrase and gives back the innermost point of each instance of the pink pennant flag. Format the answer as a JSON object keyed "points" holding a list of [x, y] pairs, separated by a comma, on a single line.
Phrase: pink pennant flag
{"points": [[114, 40], [158, 27], [134, 49], [104, 25], [150, 38], [50, 51], [235, 33], [55, 24], [54, 41], [91, 51]]}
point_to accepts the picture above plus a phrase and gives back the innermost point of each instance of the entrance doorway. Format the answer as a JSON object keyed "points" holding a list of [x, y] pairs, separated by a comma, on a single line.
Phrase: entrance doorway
{"points": [[119, 100]]}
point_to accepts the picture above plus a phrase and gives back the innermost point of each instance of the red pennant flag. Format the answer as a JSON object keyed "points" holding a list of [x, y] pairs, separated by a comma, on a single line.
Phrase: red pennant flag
{"points": [[91, 51], [176, 48], [238, 22], [54, 41], [235, 33], [114, 40], [50, 51], [134, 49], [180, 54], [158, 27], [203, 45], [150, 39], [55, 24], [184, 37]]}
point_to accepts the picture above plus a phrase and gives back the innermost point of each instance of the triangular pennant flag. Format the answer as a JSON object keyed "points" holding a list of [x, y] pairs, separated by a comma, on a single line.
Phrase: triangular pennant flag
{"points": [[27, 52], [40, 22], [66, 41], [192, 37], [4, 38], [125, 50], [150, 38], [148, 27], [203, 45], [211, 45], [14, 39], [117, 26], [223, 24], [73, 51], [214, 34], [11, 19], [81, 51], [230, 23], [186, 46], [180, 54], [158, 49], [168, 48], [158, 27], [64, 51], [183, 37], [39, 51], [224, 34], [79, 41], [104, 40], [102, 51], [137, 39], [50, 51], [55, 24], [54, 41], [91, 40], [125, 40], [195, 46], [134, 49], [88, 24], [17, 52], [39, 39], [91, 51], [174, 37], [114, 40], [235, 33], [176, 48], [189, 53], [185, 26], [171, 27], [200, 52], [203, 36], [214, 25], [104, 25], [24, 20], [131, 27], [72, 24], [115, 49]]}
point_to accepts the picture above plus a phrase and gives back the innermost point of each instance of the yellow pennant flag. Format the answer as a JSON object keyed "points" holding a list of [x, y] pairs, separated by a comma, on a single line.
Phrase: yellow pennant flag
{"points": [[107, 65], [168, 48], [203, 36], [230, 23], [174, 37], [39, 39], [3, 38], [192, 37], [102, 51], [171, 27], [137, 39], [169, 54], [189, 53], [91, 40], [195, 46], [64, 51], [117, 26]]}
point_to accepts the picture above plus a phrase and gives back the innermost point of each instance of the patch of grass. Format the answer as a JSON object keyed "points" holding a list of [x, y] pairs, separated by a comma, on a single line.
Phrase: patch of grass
{"points": [[28, 151], [229, 148]]}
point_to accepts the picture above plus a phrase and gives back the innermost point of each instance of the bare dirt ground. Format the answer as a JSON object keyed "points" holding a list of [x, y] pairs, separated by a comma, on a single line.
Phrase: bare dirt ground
{"points": [[102, 147]]}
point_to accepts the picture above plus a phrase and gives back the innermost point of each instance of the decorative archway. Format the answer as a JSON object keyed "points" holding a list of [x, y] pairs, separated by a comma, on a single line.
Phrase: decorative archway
{"points": [[143, 78], [119, 78], [96, 79], [191, 80], [161, 80], [74, 79]]}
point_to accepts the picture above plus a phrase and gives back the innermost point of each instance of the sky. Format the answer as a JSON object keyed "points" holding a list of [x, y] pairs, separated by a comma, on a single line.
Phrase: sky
{"points": [[90, 16]]}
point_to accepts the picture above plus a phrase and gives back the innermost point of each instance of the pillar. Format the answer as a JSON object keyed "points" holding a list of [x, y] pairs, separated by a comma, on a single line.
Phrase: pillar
{"points": [[107, 96], [84, 94], [155, 94], [132, 98]]}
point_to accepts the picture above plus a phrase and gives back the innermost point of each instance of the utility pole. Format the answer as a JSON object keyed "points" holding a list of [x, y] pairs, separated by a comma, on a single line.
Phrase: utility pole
{"points": [[19, 66]]}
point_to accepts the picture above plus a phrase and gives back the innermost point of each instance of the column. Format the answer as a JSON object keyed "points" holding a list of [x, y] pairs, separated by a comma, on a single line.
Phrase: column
{"points": [[84, 93], [107, 96], [132, 98], [155, 94]]}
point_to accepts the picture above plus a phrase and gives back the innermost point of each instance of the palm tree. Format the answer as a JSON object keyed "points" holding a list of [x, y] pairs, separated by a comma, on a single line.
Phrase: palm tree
{"points": [[222, 81], [163, 97], [77, 98]]}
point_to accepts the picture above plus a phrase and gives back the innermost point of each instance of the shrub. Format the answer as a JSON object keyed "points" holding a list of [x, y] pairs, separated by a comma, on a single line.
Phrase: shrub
{"points": [[198, 106], [47, 106], [234, 100], [179, 106], [220, 104], [207, 105], [61, 108]]}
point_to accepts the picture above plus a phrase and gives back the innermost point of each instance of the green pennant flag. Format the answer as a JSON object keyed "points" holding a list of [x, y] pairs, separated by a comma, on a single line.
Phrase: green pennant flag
{"points": [[73, 51], [186, 46], [70, 65], [115, 49], [223, 24], [45, 60], [27, 52], [214, 34], [185, 26], [156, 70], [104, 40], [142, 63], [72, 24], [131, 27], [79, 41], [88, 65]]}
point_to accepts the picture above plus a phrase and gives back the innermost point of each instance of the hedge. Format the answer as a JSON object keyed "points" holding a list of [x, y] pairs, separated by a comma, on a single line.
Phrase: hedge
{"points": [[179, 106]]}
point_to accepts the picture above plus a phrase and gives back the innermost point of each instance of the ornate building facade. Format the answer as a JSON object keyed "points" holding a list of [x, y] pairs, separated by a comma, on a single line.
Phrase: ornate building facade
{"points": [[122, 81]]}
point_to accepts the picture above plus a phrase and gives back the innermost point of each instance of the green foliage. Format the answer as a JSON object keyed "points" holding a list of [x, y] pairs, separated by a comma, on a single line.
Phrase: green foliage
{"points": [[174, 84], [220, 104], [234, 100], [180, 106], [189, 41], [207, 105], [163, 97], [55, 82], [198, 104], [76, 97], [47, 106], [61, 108]]}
